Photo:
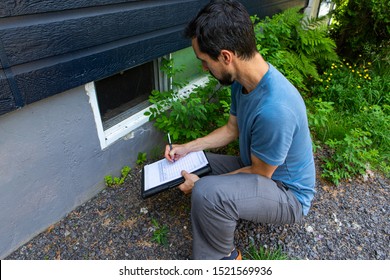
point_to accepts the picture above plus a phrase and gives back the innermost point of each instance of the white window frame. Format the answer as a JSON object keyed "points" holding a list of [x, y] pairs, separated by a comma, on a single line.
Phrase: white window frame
{"points": [[126, 127]]}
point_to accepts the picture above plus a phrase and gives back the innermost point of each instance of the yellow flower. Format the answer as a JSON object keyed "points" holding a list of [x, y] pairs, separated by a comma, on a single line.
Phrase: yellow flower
{"points": [[358, 86]]}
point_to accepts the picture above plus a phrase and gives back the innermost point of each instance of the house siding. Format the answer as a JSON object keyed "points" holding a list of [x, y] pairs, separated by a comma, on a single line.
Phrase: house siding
{"points": [[47, 46]]}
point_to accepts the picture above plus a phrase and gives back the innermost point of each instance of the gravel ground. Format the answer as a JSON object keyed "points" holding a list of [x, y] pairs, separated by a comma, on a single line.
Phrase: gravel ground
{"points": [[350, 221]]}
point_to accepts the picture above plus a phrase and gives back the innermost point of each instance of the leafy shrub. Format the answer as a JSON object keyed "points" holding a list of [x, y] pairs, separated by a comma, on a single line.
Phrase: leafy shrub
{"points": [[351, 87], [187, 118], [319, 116], [350, 156], [361, 24], [296, 45], [357, 130]]}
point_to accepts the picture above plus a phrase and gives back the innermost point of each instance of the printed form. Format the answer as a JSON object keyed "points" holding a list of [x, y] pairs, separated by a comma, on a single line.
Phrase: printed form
{"points": [[163, 171]]}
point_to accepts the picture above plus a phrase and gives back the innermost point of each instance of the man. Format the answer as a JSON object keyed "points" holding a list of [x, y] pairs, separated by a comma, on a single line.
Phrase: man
{"points": [[273, 179]]}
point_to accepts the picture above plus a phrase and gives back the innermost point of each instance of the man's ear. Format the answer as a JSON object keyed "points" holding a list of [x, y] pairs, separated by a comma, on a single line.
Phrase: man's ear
{"points": [[227, 56]]}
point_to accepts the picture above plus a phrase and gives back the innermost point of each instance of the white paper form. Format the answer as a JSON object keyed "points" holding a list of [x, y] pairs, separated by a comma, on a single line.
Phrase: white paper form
{"points": [[163, 171]]}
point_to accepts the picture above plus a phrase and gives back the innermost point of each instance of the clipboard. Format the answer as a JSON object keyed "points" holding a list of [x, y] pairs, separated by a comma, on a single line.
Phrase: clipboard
{"points": [[163, 175]]}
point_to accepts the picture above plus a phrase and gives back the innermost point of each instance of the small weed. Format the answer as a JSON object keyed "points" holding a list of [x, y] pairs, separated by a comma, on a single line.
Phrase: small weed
{"points": [[160, 234], [111, 181], [141, 158], [262, 253]]}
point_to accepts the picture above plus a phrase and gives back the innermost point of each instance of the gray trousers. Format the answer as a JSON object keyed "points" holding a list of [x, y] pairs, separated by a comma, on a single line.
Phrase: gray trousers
{"points": [[219, 201]]}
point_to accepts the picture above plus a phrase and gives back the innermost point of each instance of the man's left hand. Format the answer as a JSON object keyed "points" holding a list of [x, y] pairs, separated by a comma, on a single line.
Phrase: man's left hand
{"points": [[189, 182]]}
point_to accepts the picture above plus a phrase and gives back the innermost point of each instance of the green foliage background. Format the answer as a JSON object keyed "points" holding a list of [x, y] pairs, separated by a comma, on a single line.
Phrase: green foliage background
{"points": [[361, 30], [296, 45]]}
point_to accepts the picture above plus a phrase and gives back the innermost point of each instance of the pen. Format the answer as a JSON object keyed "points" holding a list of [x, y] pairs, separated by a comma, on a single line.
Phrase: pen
{"points": [[170, 145]]}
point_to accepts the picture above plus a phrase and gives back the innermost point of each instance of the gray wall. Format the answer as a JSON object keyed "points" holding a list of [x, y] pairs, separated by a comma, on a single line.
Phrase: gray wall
{"points": [[51, 162]]}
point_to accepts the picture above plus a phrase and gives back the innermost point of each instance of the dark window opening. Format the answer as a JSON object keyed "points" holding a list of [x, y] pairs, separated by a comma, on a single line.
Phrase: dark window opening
{"points": [[124, 94]]}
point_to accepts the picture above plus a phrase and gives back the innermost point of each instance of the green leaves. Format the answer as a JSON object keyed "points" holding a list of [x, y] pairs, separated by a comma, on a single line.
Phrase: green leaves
{"points": [[160, 233], [111, 181], [350, 156], [356, 127], [141, 158], [295, 45], [193, 116]]}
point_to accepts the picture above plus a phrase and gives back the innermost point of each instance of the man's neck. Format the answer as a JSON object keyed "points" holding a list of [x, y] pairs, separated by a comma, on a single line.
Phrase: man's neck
{"points": [[250, 72]]}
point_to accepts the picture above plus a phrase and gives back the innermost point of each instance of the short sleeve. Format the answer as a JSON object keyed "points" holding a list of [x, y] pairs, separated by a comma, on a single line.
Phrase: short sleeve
{"points": [[272, 134]]}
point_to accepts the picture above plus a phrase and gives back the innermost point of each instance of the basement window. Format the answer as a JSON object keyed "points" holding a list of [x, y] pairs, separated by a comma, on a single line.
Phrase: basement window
{"points": [[119, 102], [124, 94]]}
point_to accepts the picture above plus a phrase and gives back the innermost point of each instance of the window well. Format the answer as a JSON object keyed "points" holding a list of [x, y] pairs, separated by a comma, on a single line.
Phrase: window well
{"points": [[124, 94]]}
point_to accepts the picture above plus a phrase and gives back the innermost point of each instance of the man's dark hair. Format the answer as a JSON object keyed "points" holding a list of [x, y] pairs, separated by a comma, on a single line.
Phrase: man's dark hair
{"points": [[223, 25]]}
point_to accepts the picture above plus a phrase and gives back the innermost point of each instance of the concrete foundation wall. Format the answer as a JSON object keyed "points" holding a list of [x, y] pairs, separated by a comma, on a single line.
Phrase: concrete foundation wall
{"points": [[51, 162]]}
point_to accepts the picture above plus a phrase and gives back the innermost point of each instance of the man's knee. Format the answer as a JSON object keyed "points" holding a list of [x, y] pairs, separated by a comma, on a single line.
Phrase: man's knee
{"points": [[202, 189]]}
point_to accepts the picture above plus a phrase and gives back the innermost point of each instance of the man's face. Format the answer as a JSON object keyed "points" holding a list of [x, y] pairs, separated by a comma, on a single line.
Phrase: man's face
{"points": [[216, 68]]}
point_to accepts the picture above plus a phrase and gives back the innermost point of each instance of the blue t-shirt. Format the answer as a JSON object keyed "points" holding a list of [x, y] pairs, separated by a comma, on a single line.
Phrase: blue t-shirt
{"points": [[273, 126]]}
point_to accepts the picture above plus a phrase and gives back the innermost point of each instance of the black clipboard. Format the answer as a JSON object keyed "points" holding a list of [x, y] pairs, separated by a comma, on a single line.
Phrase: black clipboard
{"points": [[204, 170]]}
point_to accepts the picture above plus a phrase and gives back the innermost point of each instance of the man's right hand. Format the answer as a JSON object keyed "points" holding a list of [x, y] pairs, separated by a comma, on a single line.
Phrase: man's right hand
{"points": [[177, 152]]}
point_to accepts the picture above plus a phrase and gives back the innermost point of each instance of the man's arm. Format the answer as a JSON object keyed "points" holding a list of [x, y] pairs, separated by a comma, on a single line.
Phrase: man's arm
{"points": [[218, 138], [258, 167]]}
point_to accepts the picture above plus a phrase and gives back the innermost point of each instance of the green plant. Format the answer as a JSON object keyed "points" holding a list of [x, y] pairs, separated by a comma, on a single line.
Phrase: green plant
{"points": [[360, 99], [351, 87], [160, 233], [297, 46], [360, 24], [111, 181], [141, 158], [318, 117], [349, 157], [262, 253], [189, 117]]}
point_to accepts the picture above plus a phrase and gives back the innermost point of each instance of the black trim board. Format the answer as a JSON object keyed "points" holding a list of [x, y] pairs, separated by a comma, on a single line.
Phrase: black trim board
{"points": [[81, 69], [31, 38], [27, 7]]}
